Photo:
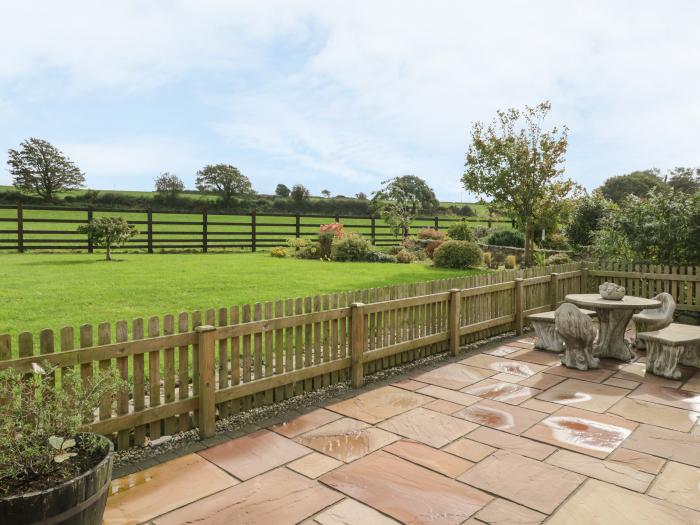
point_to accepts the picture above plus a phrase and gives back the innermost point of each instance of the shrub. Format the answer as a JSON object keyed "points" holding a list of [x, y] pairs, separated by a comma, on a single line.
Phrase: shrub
{"points": [[278, 252], [487, 259], [298, 243], [457, 254], [585, 218], [108, 232], [557, 258], [405, 257], [539, 259], [481, 232], [555, 241], [312, 251], [325, 244], [460, 231], [393, 250], [351, 247], [511, 262], [506, 238], [380, 257], [430, 234], [335, 228], [431, 247]]}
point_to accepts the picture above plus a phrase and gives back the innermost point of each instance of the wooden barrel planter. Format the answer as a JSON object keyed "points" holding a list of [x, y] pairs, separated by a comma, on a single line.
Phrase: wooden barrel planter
{"points": [[78, 501]]}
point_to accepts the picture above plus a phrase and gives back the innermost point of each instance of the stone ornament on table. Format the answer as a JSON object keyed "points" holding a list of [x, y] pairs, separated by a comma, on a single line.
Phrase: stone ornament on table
{"points": [[577, 333], [611, 291]]}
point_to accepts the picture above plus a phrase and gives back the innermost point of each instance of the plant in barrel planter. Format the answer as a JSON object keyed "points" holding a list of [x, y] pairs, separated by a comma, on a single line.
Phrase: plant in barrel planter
{"points": [[51, 473]]}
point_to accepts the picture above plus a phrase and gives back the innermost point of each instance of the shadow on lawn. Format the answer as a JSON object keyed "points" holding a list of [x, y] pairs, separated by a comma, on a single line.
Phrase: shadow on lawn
{"points": [[72, 263]]}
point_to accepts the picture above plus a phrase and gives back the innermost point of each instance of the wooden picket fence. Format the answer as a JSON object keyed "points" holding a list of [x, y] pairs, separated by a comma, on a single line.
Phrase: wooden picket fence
{"points": [[189, 369]]}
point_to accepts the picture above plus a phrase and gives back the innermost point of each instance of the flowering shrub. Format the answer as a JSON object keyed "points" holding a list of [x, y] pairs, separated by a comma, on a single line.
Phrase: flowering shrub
{"points": [[431, 247], [278, 252], [430, 234], [460, 231], [405, 257], [335, 228]]}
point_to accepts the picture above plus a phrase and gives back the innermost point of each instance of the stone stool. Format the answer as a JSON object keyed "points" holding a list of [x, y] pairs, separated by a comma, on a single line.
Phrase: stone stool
{"points": [[547, 338], [653, 319], [577, 333]]}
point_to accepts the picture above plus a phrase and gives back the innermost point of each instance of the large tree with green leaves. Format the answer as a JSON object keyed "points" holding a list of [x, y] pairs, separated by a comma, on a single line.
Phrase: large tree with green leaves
{"points": [[519, 165], [686, 180], [169, 185], [636, 183], [414, 190], [224, 180], [39, 167]]}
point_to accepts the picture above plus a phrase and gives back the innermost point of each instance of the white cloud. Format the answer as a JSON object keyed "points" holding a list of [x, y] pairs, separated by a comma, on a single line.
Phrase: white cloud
{"points": [[377, 89]]}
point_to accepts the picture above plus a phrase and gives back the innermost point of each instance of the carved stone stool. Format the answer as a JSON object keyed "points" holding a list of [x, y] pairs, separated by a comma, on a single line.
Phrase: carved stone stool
{"points": [[547, 337]]}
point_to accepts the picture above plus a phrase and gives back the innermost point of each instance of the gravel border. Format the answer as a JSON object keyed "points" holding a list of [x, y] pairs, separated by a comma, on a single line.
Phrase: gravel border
{"points": [[133, 459]]}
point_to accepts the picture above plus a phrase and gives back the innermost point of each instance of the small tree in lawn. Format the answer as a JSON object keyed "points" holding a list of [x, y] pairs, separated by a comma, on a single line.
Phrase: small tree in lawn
{"points": [[41, 168], [224, 180], [520, 169], [108, 232], [396, 206], [169, 185]]}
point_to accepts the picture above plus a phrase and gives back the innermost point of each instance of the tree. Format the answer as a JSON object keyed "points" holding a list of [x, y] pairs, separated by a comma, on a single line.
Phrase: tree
{"points": [[636, 183], [414, 189], [361, 196], [518, 165], [108, 232], [41, 168], [396, 206], [686, 180], [224, 180], [299, 193], [282, 191], [326, 194], [585, 219], [169, 185]]}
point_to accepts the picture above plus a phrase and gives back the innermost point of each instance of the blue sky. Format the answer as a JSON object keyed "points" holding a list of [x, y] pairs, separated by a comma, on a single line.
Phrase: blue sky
{"points": [[342, 95]]}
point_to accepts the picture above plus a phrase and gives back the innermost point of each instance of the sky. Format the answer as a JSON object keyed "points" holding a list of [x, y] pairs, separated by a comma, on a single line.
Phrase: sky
{"points": [[343, 95]]}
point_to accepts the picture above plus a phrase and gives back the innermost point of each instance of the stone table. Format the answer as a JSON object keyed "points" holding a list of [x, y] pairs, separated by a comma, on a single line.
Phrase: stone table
{"points": [[613, 318]]}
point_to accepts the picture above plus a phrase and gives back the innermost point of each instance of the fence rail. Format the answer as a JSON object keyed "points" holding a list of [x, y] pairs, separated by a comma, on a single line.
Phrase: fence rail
{"points": [[54, 228], [186, 370]]}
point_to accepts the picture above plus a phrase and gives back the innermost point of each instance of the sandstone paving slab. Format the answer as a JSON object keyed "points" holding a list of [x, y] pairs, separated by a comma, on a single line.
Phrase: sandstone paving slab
{"points": [[604, 470], [528, 342], [469, 449], [445, 407], [597, 502], [541, 406], [500, 416], [504, 512], [314, 465], [673, 397], [680, 484], [501, 350], [148, 493], [504, 365], [429, 427], [379, 404], [517, 444], [531, 483], [454, 376], [406, 492], [351, 512], [582, 431], [637, 372], [669, 444], [279, 497], [408, 384], [693, 384], [255, 453], [541, 381], [508, 378], [538, 357], [622, 383], [449, 395], [511, 393], [597, 375], [655, 414], [637, 460], [431, 458], [305, 422], [347, 439], [583, 394]]}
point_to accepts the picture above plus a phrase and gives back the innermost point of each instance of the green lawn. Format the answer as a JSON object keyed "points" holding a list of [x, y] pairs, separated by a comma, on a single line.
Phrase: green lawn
{"points": [[54, 290]]}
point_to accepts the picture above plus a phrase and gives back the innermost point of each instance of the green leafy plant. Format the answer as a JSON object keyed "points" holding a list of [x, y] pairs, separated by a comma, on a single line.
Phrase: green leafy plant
{"points": [[557, 258], [487, 259], [431, 247], [40, 424], [380, 257], [539, 258], [511, 262], [278, 252], [458, 254], [555, 241], [405, 257], [108, 232], [298, 242], [506, 238], [460, 231], [350, 247]]}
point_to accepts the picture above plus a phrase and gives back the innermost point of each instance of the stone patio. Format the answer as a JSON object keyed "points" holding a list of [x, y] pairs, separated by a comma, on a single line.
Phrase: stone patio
{"points": [[503, 436]]}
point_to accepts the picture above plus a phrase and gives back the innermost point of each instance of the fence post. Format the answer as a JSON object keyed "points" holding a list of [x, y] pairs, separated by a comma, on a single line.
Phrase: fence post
{"points": [[206, 336], [297, 225], [373, 230], [205, 231], [512, 223], [554, 290], [437, 223], [20, 228], [149, 216], [455, 316], [89, 219], [585, 279], [358, 342], [519, 305], [337, 217], [489, 222], [253, 230]]}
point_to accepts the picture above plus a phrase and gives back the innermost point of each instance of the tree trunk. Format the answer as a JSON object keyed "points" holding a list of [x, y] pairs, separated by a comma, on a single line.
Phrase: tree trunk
{"points": [[527, 256], [109, 252]]}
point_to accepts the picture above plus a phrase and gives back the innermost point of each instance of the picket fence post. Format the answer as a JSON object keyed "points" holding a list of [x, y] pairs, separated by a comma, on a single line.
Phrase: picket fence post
{"points": [[206, 335], [454, 321], [358, 341]]}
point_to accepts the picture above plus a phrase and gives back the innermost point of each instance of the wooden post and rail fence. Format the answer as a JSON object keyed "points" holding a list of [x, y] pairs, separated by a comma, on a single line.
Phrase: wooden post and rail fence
{"points": [[24, 228], [189, 369]]}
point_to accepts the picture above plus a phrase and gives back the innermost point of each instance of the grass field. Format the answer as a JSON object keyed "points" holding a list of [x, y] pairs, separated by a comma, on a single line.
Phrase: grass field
{"points": [[54, 290]]}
